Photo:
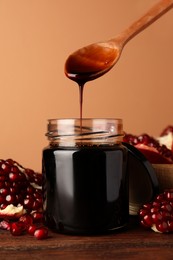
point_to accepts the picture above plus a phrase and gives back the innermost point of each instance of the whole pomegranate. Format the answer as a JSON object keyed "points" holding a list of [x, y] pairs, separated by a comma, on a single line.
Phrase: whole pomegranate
{"points": [[20, 199]]}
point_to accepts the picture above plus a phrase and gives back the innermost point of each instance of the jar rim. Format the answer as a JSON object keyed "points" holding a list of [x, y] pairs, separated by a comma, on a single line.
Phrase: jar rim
{"points": [[85, 119], [99, 130]]}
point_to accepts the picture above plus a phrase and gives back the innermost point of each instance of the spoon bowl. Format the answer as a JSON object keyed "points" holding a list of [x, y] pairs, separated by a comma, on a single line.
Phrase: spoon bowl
{"points": [[94, 60]]}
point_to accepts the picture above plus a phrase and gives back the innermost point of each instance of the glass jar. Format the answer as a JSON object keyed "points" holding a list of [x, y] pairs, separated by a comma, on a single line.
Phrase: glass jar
{"points": [[85, 185]]}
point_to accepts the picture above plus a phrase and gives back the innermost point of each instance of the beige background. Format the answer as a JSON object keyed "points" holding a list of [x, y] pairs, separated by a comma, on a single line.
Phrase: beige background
{"points": [[36, 37]]}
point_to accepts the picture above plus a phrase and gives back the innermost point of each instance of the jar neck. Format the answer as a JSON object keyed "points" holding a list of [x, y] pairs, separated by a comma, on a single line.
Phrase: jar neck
{"points": [[76, 132]]}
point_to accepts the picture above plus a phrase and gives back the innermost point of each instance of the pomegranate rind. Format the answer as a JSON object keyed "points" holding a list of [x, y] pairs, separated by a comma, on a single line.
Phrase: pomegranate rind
{"points": [[166, 140], [152, 155], [12, 212], [154, 152], [155, 229]]}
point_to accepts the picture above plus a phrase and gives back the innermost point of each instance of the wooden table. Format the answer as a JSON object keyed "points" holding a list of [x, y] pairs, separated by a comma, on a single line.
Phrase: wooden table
{"points": [[133, 243]]}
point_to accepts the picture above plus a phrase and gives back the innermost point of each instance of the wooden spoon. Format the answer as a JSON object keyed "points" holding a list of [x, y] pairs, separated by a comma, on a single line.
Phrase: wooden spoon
{"points": [[94, 60]]}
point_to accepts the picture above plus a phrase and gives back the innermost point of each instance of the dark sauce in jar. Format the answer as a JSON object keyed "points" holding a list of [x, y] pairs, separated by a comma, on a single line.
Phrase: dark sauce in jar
{"points": [[85, 188]]}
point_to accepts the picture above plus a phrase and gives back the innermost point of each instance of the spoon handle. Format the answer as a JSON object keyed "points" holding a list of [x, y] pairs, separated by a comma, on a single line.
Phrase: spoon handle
{"points": [[152, 15]]}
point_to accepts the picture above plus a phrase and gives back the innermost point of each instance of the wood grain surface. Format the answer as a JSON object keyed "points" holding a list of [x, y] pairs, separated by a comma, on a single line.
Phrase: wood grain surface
{"points": [[132, 243]]}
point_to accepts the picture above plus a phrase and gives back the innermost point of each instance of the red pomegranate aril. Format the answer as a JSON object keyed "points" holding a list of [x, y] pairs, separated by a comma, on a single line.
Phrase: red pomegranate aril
{"points": [[4, 191], [28, 203], [40, 201], [19, 198], [3, 206], [5, 168], [2, 184], [3, 178], [26, 219], [31, 229], [170, 226], [41, 233], [2, 199], [148, 220], [16, 185], [4, 224], [143, 212], [37, 216], [10, 198], [157, 218], [14, 169], [17, 228], [142, 222], [147, 206], [160, 198], [166, 207], [156, 204], [169, 195], [162, 227], [14, 190], [154, 210], [14, 177], [166, 215], [30, 190], [37, 194], [36, 205]]}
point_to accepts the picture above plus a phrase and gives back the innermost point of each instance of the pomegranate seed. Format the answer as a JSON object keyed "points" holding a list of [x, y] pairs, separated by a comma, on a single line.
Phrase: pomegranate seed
{"points": [[26, 219], [13, 190], [4, 191], [11, 199], [156, 217], [166, 215], [41, 233], [14, 169], [160, 198], [31, 229], [3, 177], [5, 168], [154, 209], [170, 226], [36, 205], [169, 195], [2, 199], [156, 204], [14, 176], [147, 206], [143, 212], [162, 227], [28, 203], [17, 228], [148, 220], [37, 216], [166, 207], [2, 184], [30, 190], [3, 206], [4, 224]]}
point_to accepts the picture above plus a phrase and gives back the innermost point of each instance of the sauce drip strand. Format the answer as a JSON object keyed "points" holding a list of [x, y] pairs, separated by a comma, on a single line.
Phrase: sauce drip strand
{"points": [[88, 64]]}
